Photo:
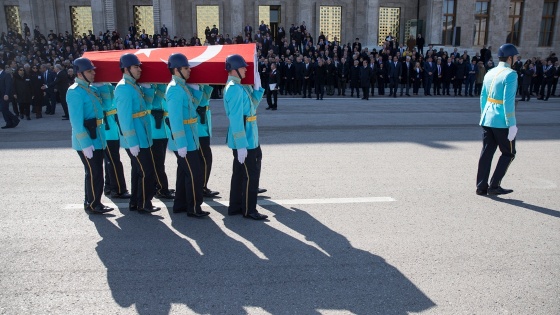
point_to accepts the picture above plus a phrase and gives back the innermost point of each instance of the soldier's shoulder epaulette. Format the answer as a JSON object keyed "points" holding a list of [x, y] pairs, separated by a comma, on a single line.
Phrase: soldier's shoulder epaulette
{"points": [[73, 86], [173, 83]]}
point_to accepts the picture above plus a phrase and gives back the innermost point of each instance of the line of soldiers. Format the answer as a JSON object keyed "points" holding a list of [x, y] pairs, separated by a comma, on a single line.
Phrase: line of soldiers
{"points": [[146, 120]]}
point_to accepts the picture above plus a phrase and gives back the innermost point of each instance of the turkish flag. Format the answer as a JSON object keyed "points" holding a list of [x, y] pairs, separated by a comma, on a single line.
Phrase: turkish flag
{"points": [[208, 63]]}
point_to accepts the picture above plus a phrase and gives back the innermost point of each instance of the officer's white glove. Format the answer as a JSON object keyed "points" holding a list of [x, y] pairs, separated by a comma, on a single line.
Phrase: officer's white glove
{"points": [[194, 86], [512, 133], [134, 150], [182, 152], [88, 152], [241, 155], [257, 84]]}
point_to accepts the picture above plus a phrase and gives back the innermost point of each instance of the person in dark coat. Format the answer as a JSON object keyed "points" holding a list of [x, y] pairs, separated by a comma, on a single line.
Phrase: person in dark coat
{"points": [[526, 77], [381, 73], [365, 78], [331, 76], [342, 70], [307, 77], [448, 75], [416, 75], [394, 72], [60, 85], [406, 71], [299, 69], [355, 79], [22, 92], [319, 75], [37, 93], [274, 85], [460, 76]]}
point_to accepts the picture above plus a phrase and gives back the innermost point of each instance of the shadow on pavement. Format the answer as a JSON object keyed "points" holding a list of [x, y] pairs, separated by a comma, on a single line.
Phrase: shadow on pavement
{"points": [[225, 265], [522, 204]]}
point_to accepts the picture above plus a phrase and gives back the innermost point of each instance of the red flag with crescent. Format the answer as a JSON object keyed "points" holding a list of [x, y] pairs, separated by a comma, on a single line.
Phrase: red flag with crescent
{"points": [[207, 63]]}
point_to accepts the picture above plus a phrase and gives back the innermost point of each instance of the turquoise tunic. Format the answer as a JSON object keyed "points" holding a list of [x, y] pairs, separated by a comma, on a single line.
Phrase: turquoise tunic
{"points": [[84, 103], [181, 105], [134, 117], [239, 101], [497, 98]]}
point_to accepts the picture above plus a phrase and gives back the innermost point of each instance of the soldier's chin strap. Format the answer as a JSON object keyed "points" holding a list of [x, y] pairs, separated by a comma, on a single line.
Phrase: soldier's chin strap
{"points": [[181, 73], [239, 74], [85, 78], [130, 73]]}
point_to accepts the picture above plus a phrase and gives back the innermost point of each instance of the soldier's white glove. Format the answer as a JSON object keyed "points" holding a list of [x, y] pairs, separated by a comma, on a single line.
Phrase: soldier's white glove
{"points": [[182, 152], [146, 85], [241, 155], [88, 152], [134, 150], [512, 133], [194, 86]]}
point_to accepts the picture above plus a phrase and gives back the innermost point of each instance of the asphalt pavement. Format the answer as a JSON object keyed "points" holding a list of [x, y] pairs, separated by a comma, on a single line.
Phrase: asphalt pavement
{"points": [[372, 210]]}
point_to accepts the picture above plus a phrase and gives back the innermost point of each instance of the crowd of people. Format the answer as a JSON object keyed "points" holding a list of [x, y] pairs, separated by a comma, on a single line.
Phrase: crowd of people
{"points": [[302, 66]]}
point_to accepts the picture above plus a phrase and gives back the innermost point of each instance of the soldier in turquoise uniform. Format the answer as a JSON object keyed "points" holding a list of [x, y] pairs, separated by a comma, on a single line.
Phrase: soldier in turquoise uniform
{"points": [[154, 96], [241, 104], [204, 135], [115, 183], [88, 132], [182, 102], [136, 129], [497, 105]]}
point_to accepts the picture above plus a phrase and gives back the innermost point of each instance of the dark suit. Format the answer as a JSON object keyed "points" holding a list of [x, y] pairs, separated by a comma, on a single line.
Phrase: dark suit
{"points": [[50, 98], [319, 75], [342, 71], [526, 79], [460, 76], [272, 95], [289, 76], [365, 78], [307, 79], [548, 78], [394, 74], [299, 69], [6, 86], [405, 76], [447, 77], [429, 78], [438, 77], [60, 83], [355, 80]]}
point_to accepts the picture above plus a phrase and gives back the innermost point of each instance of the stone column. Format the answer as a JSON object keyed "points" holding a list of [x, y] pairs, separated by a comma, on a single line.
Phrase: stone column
{"points": [[497, 27], [166, 15], [434, 22], [237, 19], [371, 32], [466, 21], [103, 15]]}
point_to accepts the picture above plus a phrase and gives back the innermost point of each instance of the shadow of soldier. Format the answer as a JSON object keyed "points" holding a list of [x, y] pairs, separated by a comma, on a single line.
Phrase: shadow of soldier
{"points": [[230, 265]]}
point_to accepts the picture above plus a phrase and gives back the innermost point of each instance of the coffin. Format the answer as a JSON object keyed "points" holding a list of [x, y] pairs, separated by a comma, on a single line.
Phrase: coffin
{"points": [[207, 63]]}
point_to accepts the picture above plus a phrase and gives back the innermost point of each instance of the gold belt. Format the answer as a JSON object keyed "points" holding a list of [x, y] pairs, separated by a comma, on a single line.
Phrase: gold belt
{"points": [[493, 100], [111, 112], [99, 122], [165, 114], [141, 114], [251, 118], [190, 121]]}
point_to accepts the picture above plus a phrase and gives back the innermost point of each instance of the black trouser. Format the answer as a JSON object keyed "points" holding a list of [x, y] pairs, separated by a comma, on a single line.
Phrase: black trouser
{"points": [[365, 91], [354, 86], [458, 86], [380, 87], [428, 84], [272, 98], [437, 85], [547, 83], [342, 86], [10, 118], [446, 85], [205, 158], [307, 87], [50, 100], [393, 85], [94, 178], [477, 88], [245, 182], [188, 194], [142, 179], [158, 150], [297, 86], [554, 84], [114, 172], [24, 109], [319, 90], [525, 93], [63, 102], [492, 138]]}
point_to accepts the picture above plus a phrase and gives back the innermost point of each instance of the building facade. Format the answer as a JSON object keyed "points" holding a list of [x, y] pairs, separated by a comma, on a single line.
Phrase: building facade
{"points": [[533, 25]]}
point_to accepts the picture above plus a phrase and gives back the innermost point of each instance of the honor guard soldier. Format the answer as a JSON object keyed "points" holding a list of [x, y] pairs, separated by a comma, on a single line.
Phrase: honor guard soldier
{"points": [[115, 184], [497, 104], [135, 125], [88, 132], [182, 105], [154, 96], [204, 135], [241, 104]]}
